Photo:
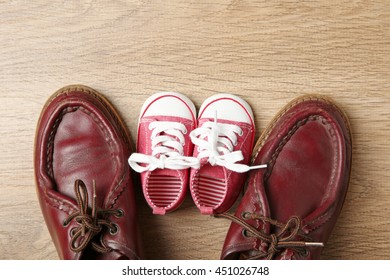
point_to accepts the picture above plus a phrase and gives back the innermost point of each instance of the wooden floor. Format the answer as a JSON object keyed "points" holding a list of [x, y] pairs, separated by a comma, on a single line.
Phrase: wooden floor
{"points": [[266, 53]]}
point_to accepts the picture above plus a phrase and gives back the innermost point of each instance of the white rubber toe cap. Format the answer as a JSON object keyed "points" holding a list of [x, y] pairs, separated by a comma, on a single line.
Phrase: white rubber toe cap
{"points": [[169, 104], [228, 106]]}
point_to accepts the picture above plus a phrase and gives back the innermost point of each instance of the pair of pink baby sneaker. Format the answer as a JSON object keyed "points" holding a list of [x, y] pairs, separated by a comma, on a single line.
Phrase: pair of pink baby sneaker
{"points": [[208, 154]]}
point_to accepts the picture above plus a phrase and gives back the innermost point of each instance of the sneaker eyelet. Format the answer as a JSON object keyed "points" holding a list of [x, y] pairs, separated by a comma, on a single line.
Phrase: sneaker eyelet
{"points": [[114, 230], [241, 133], [185, 131]]}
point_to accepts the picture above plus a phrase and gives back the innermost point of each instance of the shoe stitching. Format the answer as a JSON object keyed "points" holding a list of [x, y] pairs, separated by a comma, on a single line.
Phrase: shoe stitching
{"points": [[60, 205], [261, 211], [307, 228], [111, 112], [50, 144], [50, 151], [110, 142], [122, 132], [286, 238], [283, 111], [284, 141], [50, 148], [121, 190], [275, 156], [101, 101]]}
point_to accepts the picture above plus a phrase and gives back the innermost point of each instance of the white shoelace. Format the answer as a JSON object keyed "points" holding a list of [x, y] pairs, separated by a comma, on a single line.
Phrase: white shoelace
{"points": [[219, 146], [167, 149]]}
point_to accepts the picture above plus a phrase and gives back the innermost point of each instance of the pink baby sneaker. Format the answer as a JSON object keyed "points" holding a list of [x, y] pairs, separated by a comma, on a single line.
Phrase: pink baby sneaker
{"points": [[164, 150], [223, 144]]}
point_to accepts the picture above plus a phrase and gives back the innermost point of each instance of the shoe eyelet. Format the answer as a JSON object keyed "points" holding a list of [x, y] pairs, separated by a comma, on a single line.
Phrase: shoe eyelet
{"points": [[120, 213], [235, 143], [241, 133], [245, 215], [306, 253], [185, 131], [72, 232], [65, 223], [114, 230], [244, 233]]}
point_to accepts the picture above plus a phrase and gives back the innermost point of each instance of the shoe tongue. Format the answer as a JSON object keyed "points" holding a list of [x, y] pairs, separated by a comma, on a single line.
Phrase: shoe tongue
{"points": [[165, 172], [216, 172], [287, 254], [91, 254]]}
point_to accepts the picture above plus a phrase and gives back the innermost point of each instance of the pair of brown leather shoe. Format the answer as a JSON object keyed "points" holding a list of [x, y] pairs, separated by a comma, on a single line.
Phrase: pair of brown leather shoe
{"points": [[288, 211]]}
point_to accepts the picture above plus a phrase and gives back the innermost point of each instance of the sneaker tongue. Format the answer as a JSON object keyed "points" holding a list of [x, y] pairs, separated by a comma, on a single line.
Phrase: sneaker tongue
{"points": [[217, 172], [165, 172]]}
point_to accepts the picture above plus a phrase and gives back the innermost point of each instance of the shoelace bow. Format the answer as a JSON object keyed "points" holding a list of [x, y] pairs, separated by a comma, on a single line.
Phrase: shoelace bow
{"points": [[90, 224], [219, 146], [167, 149], [285, 238]]}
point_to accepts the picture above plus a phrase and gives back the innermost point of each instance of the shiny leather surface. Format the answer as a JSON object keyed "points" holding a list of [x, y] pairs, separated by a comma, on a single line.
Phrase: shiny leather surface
{"points": [[308, 152], [80, 136]]}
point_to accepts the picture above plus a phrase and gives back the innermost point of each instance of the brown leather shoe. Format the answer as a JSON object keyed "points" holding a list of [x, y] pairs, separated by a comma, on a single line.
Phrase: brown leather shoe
{"points": [[289, 209], [84, 184]]}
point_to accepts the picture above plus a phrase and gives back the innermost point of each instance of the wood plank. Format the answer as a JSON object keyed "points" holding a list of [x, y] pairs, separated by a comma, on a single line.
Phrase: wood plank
{"points": [[267, 52]]}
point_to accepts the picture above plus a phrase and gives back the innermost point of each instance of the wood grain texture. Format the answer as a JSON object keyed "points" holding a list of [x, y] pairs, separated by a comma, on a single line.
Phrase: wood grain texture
{"points": [[267, 52]]}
